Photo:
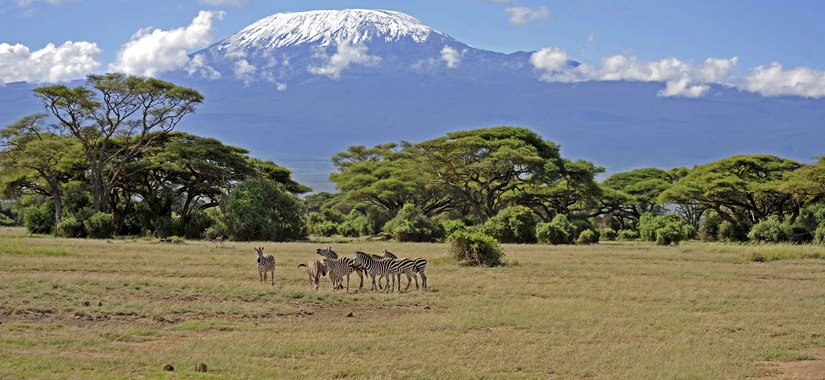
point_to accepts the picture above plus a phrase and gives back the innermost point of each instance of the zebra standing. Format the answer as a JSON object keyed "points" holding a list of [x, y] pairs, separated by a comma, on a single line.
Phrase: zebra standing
{"points": [[315, 269], [374, 266], [419, 268], [330, 254], [265, 264], [337, 270]]}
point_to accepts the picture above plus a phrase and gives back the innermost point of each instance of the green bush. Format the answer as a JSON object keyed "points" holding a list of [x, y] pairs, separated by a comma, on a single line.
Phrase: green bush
{"points": [[101, 225], [333, 216], [410, 224], [588, 237], [71, 227], [376, 219], [6, 221], [819, 234], [733, 232], [663, 229], [515, 224], [77, 201], [349, 229], [627, 235], [671, 233], [475, 248], [607, 233], [169, 225], [580, 225], [325, 228], [263, 210], [559, 231], [199, 221], [770, 231], [40, 219], [453, 225]]}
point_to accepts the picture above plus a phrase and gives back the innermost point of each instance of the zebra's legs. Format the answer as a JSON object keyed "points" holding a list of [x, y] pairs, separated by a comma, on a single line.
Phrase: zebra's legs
{"points": [[423, 281], [273, 277], [409, 281], [361, 276], [261, 275]]}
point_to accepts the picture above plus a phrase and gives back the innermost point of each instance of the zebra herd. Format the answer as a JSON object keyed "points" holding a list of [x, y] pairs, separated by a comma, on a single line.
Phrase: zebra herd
{"points": [[377, 267]]}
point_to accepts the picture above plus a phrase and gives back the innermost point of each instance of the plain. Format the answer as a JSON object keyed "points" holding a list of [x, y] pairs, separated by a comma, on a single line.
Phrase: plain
{"points": [[74, 308]]}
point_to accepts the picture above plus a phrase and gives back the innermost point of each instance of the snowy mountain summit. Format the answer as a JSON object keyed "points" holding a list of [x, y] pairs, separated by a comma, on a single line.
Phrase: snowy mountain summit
{"points": [[329, 27]]}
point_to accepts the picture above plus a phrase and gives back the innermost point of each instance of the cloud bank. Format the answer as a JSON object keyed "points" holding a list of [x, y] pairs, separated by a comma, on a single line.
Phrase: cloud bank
{"points": [[153, 51], [346, 55], [520, 15], [681, 78], [49, 64]]}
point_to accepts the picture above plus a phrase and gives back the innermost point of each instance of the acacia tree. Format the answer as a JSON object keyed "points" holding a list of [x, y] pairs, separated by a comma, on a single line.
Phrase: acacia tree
{"points": [[806, 184], [113, 106], [571, 191], [743, 187], [388, 176], [483, 166], [35, 158]]}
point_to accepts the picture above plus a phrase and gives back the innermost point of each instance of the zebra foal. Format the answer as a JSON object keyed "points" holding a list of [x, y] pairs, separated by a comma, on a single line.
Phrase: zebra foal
{"points": [[315, 269], [265, 264]]}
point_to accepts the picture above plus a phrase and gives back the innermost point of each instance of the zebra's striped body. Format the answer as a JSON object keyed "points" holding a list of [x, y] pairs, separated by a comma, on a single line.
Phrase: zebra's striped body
{"points": [[399, 267], [419, 269], [265, 264], [315, 269], [376, 267], [337, 270], [330, 254]]}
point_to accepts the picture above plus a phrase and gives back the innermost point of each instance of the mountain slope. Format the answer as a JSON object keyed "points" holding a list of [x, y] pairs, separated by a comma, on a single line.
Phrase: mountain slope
{"points": [[299, 87]]}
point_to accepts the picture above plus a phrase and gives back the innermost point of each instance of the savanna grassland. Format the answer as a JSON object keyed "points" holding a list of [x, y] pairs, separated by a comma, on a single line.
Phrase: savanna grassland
{"points": [[73, 308]]}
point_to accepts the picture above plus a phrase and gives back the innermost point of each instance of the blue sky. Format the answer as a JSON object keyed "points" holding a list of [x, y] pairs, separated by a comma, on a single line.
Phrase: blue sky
{"points": [[755, 32]]}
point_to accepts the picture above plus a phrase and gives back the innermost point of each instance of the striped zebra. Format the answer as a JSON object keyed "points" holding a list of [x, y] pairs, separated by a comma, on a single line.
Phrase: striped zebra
{"points": [[376, 267], [419, 269], [315, 269], [330, 254], [399, 267], [337, 270], [265, 264]]}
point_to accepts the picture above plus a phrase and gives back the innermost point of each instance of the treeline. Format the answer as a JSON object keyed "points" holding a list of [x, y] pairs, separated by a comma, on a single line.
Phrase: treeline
{"points": [[104, 160], [511, 184]]}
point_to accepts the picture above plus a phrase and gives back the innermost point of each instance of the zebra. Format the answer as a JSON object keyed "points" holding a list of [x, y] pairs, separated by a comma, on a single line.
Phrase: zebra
{"points": [[330, 254], [419, 268], [337, 270], [399, 267], [375, 266], [265, 264], [315, 269]]}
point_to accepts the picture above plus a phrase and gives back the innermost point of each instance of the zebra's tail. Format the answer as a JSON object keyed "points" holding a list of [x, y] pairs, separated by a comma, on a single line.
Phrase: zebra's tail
{"points": [[302, 265]]}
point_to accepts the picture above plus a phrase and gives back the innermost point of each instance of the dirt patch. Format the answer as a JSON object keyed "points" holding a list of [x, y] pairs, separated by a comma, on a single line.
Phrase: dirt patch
{"points": [[802, 369]]}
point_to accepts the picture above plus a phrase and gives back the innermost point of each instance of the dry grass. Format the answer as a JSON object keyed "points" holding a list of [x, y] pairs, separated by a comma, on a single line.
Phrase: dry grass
{"points": [[621, 310]]}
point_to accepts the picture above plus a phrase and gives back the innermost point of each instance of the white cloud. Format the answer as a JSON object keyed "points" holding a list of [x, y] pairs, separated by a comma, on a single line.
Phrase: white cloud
{"points": [[522, 15], [774, 80], [197, 65], [452, 56], [49, 64], [26, 3], [152, 51], [551, 60], [346, 55], [680, 78], [244, 71], [224, 3]]}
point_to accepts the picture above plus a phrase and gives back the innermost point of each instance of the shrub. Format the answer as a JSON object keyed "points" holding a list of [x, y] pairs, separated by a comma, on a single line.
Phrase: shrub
{"points": [[39, 219], [349, 229], [475, 248], [733, 232], [588, 237], [77, 201], [263, 210], [199, 221], [410, 224], [71, 227], [169, 225], [671, 233], [663, 229], [453, 225], [627, 235], [559, 231], [101, 225], [770, 231], [515, 224], [819, 234], [580, 225], [607, 233]]}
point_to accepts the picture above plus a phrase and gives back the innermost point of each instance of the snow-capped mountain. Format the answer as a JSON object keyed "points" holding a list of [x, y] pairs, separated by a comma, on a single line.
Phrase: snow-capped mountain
{"points": [[299, 87]]}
